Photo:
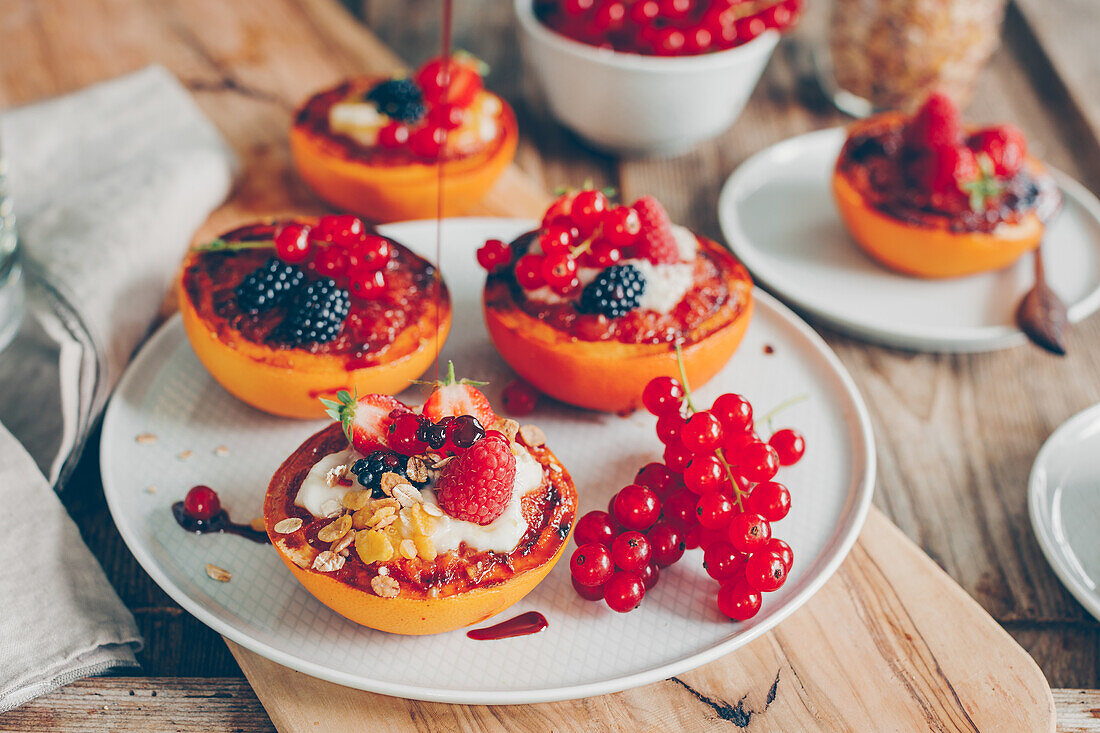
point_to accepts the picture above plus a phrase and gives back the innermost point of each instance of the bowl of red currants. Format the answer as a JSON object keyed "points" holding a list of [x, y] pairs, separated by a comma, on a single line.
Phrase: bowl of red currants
{"points": [[649, 77]]}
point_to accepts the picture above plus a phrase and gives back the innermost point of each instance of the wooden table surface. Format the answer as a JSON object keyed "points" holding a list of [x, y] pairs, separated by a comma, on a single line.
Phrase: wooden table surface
{"points": [[956, 433]]}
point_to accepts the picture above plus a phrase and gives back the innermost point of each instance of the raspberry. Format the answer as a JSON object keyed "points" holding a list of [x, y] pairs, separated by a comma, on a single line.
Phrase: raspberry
{"points": [[935, 125], [656, 242], [477, 486]]}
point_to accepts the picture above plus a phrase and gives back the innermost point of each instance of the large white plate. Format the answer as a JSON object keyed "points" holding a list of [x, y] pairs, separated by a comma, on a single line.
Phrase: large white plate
{"points": [[778, 215], [588, 649], [1064, 504]]}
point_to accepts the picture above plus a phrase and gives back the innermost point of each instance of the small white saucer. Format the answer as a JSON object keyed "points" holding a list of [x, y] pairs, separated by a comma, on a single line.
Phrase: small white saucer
{"points": [[778, 215], [1064, 504]]}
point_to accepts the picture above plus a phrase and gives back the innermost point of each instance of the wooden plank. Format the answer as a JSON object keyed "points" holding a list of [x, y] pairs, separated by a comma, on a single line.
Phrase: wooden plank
{"points": [[1078, 710], [869, 651], [143, 705]]}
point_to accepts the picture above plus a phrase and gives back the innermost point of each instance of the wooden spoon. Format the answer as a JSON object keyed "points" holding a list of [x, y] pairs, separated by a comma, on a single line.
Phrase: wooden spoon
{"points": [[1041, 314]]}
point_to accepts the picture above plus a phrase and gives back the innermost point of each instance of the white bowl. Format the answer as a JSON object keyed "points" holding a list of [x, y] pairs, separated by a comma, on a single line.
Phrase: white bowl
{"points": [[632, 104]]}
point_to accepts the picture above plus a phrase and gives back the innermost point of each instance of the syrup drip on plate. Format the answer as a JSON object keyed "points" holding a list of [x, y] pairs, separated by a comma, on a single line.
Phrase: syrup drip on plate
{"points": [[445, 56], [525, 624], [220, 523]]}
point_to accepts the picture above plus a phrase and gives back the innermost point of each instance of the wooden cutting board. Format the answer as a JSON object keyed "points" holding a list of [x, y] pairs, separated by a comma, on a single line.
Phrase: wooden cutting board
{"points": [[890, 642]]}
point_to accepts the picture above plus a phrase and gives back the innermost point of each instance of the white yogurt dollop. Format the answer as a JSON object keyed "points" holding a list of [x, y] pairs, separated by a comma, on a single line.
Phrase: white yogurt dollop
{"points": [[666, 284], [501, 535]]}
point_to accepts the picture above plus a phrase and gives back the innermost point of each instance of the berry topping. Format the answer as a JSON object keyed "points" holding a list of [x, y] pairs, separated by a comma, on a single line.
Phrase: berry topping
{"points": [[477, 486], [656, 241], [456, 80], [317, 314], [464, 431], [366, 420], [369, 470], [268, 286], [624, 591], [369, 253], [615, 292], [935, 125], [1005, 145], [494, 254], [453, 397], [520, 398], [400, 99], [591, 564], [202, 502], [405, 433], [292, 243]]}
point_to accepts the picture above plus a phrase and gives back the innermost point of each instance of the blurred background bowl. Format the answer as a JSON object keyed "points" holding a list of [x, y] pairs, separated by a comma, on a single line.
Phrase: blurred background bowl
{"points": [[630, 104]]}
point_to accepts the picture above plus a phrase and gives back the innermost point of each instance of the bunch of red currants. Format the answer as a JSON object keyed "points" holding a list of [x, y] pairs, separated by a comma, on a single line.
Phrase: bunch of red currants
{"points": [[715, 490], [338, 246]]}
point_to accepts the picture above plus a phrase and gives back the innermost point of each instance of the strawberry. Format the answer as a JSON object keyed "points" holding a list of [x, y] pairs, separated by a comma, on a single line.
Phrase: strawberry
{"points": [[935, 125], [656, 242], [366, 420], [453, 397], [1005, 145], [465, 72], [477, 486]]}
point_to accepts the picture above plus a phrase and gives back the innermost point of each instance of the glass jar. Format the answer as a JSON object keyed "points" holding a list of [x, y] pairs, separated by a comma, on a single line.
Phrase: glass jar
{"points": [[890, 54]]}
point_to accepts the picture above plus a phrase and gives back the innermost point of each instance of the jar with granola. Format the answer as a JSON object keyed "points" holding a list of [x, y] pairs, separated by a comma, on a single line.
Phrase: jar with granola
{"points": [[890, 54]]}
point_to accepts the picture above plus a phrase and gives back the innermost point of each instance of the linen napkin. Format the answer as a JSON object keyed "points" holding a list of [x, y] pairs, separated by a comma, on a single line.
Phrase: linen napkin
{"points": [[109, 184]]}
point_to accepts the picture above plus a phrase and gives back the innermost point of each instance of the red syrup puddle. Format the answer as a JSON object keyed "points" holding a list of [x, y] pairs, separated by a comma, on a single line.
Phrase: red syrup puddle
{"points": [[525, 624], [769, 349], [219, 523]]}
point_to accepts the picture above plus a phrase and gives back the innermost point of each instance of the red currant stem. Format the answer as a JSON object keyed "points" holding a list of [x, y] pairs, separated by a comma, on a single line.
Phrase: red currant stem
{"points": [[220, 245], [767, 419], [684, 380], [737, 493], [586, 245]]}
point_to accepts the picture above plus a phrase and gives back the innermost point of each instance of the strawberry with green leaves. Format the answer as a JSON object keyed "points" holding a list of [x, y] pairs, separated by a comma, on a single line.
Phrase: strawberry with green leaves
{"points": [[453, 397], [366, 420]]}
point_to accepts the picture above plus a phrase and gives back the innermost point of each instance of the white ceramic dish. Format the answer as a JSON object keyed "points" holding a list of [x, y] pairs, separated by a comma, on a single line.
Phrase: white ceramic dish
{"points": [[1064, 504], [778, 215], [640, 105], [588, 649]]}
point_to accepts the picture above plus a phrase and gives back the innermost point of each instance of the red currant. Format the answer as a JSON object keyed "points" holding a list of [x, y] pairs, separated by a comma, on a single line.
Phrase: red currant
{"points": [[714, 510], [624, 591], [702, 432], [604, 254], [644, 11], [699, 536], [780, 549], [765, 572], [609, 18], [559, 269], [637, 507], [529, 272], [777, 16], [494, 254], [666, 543], [370, 253], [393, 136], [698, 39], [202, 502], [404, 432], [588, 592], [748, 532], [677, 457], [669, 428], [595, 526], [588, 208], [342, 229], [631, 551], [770, 500], [663, 396], [669, 42], [577, 7], [722, 561], [621, 225], [649, 575], [734, 412], [675, 9], [789, 445], [679, 508], [739, 601], [367, 285], [566, 289], [749, 28], [331, 261], [758, 462], [556, 239], [704, 473], [292, 243], [519, 398], [657, 477], [591, 564], [447, 116], [427, 141]]}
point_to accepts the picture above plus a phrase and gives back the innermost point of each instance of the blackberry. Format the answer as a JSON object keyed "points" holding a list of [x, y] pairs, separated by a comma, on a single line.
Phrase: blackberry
{"points": [[317, 314], [615, 292], [369, 470], [268, 285], [400, 99]]}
